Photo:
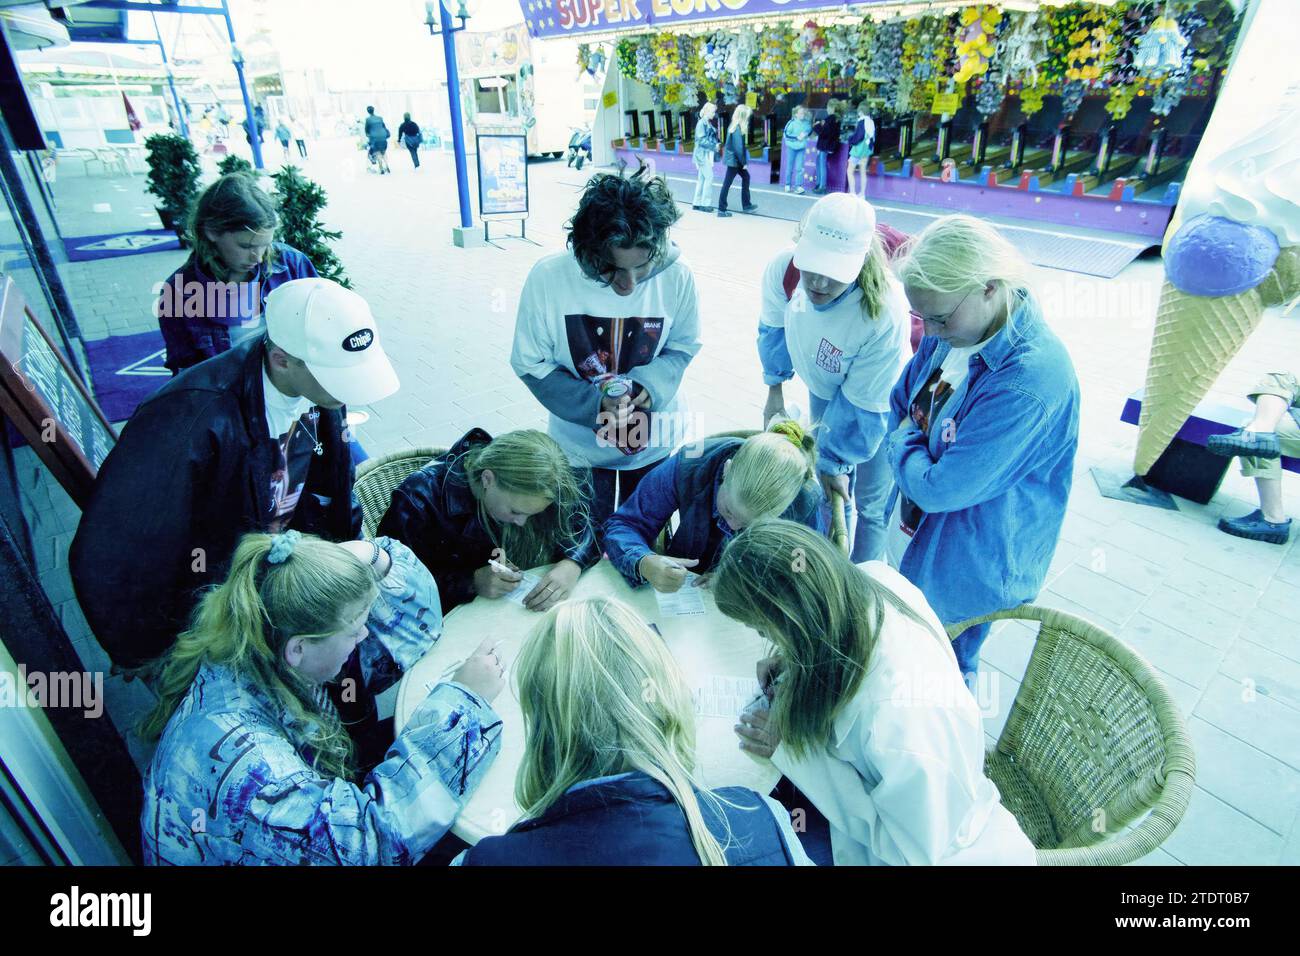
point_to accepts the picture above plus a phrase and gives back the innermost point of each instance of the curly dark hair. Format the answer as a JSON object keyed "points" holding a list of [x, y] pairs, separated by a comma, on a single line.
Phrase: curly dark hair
{"points": [[624, 212]]}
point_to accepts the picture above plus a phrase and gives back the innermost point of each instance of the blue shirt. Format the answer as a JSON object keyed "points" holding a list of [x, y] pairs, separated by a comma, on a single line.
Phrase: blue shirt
{"points": [[796, 134], [993, 481], [200, 317]]}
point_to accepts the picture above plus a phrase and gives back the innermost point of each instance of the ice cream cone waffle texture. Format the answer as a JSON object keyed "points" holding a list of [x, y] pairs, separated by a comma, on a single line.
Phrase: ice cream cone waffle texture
{"points": [[1195, 338]]}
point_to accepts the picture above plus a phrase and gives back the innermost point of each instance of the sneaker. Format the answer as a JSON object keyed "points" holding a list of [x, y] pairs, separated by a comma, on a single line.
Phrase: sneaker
{"points": [[1254, 527], [1242, 442], [799, 190], [787, 188], [750, 208], [723, 214]]}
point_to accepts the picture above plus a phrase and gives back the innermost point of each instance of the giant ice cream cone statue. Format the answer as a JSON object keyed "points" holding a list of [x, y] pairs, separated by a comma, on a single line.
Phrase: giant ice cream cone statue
{"points": [[1232, 251]]}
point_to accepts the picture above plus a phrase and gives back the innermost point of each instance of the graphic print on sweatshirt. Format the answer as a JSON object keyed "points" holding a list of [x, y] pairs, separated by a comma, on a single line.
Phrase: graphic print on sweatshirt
{"points": [[290, 475], [601, 346]]}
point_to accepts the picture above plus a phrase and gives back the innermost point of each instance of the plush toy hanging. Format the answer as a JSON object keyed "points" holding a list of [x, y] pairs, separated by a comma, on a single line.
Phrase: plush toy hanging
{"points": [[1026, 48], [1161, 48], [645, 62], [975, 41]]}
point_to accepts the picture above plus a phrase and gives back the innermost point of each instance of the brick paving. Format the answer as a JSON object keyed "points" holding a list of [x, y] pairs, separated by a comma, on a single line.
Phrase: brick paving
{"points": [[1218, 616]]}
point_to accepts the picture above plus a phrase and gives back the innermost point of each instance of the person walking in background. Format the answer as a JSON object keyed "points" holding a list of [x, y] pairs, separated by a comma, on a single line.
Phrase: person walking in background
{"points": [[827, 131], [298, 132], [861, 145], [706, 151], [377, 140], [283, 135], [409, 134], [736, 155], [795, 137]]}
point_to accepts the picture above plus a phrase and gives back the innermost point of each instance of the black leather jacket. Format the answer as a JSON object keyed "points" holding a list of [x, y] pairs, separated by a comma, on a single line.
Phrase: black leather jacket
{"points": [[435, 514], [190, 475]]}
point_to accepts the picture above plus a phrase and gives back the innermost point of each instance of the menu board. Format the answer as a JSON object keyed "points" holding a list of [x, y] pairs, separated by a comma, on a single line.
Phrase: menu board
{"points": [[502, 175], [46, 401]]}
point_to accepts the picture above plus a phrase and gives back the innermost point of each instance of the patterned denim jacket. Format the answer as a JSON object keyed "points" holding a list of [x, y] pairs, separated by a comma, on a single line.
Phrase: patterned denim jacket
{"points": [[227, 785]]}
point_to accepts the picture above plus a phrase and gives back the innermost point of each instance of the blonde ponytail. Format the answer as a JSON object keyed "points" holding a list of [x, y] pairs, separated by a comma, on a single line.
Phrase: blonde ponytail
{"points": [[244, 624], [771, 468]]}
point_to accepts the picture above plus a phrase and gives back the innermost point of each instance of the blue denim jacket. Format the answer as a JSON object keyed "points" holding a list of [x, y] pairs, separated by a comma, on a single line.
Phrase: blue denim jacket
{"points": [[995, 495], [228, 786]]}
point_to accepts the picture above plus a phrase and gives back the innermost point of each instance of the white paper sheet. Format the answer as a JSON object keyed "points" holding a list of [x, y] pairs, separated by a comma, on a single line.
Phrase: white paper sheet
{"points": [[686, 601], [523, 588], [723, 696]]}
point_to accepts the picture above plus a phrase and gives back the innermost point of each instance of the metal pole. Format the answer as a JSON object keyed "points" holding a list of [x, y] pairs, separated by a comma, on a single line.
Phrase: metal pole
{"points": [[250, 121], [457, 125], [171, 82]]}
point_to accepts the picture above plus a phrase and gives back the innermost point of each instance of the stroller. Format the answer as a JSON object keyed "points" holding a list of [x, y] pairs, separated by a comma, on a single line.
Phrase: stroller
{"points": [[580, 146]]}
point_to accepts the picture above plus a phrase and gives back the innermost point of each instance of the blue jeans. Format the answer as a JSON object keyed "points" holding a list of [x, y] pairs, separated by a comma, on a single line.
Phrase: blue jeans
{"points": [[794, 175], [703, 159], [821, 170], [870, 485], [967, 647]]}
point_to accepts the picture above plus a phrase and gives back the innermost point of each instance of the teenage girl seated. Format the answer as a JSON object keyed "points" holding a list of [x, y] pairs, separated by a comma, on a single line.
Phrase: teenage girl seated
{"points": [[489, 506], [716, 490], [869, 715], [609, 755], [254, 765]]}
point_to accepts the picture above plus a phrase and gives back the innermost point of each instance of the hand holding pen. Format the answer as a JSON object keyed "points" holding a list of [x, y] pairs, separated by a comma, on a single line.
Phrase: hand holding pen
{"points": [[665, 574]]}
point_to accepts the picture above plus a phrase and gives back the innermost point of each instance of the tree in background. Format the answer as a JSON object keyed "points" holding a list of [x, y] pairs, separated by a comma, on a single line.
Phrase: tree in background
{"points": [[299, 202], [234, 164]]}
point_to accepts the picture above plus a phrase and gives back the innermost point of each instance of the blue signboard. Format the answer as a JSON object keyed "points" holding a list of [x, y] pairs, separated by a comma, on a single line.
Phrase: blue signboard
{"points": [[560, 18]]}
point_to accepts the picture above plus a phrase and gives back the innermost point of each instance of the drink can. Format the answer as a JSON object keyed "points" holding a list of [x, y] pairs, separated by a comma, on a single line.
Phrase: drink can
{"points": [[615, 387]]}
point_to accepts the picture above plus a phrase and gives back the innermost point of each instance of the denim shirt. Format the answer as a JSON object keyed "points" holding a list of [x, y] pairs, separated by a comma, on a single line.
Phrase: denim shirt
{"points": [[994, 495], [706, 136], [228, 786]]}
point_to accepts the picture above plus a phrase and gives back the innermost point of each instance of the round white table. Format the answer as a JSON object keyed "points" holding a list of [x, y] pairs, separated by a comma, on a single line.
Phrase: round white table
{"points": [[704, 647]]}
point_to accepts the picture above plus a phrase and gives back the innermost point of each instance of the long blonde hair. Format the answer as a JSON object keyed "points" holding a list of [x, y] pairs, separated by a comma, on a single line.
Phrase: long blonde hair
{"points": [[530, 462], [708, 111], [601, 695], [771, 468], [739, 116], [960, 253], [244, 624], [822, 613]]}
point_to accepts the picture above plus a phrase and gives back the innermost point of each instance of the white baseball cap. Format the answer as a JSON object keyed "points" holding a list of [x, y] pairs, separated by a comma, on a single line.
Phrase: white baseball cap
{"points": [[836, 237], [333, 331]]}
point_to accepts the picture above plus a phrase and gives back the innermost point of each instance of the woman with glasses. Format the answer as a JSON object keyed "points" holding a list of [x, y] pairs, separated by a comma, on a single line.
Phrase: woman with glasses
{"points": [[983, 429], [833, 315], [605, 331]]}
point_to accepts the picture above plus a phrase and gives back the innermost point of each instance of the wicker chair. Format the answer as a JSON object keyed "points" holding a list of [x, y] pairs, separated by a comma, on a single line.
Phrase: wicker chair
{"points": [[1093, 742], [377, 478], [839, 528]]}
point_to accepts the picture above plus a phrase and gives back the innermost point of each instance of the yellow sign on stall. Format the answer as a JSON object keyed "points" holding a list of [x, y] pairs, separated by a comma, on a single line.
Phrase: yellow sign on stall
{"points": [[945, 103], [751, 100], [610, 99]]}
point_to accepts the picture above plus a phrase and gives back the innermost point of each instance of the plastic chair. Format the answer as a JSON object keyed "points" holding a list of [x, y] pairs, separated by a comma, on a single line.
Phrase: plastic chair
{"points": [[377, 478], [1093, 742]]}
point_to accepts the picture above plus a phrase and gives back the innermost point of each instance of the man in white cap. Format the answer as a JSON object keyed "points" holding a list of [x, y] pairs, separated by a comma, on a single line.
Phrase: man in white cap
{"points": [[250, 440]]}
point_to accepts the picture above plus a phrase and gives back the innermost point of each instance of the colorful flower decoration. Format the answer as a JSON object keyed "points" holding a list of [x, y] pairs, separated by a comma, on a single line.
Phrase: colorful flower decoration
{"points": [[625, 55], [1092, 48], [866, 40], [1072, 97], [1132, 26], [667, 62], [645, 62], [975, 41]]}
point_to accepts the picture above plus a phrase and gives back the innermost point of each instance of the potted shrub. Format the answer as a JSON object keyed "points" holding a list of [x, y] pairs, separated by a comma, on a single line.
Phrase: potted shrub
{"points": [[234, 164], [299, 202], [173, 178]]}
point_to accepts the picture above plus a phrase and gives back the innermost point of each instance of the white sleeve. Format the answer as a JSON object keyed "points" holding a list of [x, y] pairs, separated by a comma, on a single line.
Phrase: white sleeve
{"points": [[883, 356], [772, 311], [533, 352]]}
